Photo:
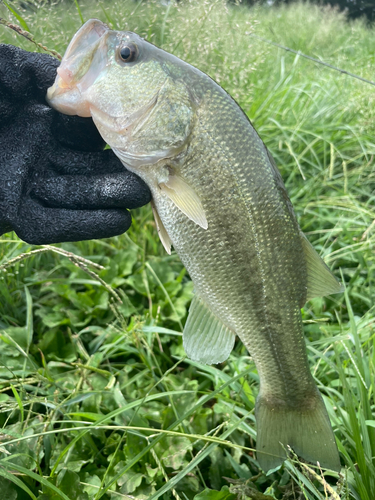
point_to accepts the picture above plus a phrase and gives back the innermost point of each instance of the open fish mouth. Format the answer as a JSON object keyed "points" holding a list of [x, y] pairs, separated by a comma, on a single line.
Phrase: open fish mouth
{"points": [[82, 63], [88, 34]]}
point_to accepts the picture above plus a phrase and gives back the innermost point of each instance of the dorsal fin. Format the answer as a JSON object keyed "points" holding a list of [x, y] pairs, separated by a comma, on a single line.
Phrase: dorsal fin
{"points": [[320, 280]]}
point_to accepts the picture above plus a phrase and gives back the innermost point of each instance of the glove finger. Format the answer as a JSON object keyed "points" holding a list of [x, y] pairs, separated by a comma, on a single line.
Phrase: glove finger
{"points": [[40, 225], [124, 190], [25, 74], [73, 162], [77, 133]]}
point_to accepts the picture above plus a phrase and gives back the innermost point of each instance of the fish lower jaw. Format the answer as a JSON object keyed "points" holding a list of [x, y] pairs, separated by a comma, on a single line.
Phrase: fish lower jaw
{"points": [[67, 100]]}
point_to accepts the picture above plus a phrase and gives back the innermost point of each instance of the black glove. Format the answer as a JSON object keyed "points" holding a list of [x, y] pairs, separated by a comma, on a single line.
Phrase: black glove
{"points": [[56, 182]]}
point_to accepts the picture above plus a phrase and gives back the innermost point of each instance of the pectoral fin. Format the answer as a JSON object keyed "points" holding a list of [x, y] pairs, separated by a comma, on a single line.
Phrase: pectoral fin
{"points": [[163, 235], [320, 280], [185, 198], [206, 339]]}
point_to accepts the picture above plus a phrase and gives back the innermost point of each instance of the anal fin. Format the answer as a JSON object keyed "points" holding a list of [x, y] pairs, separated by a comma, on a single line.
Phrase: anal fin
{"points": [[320, 280], [206, 339]]}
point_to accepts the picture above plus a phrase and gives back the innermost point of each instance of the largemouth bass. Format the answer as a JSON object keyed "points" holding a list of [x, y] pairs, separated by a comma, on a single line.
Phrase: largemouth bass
{"points": [[219, 199]]}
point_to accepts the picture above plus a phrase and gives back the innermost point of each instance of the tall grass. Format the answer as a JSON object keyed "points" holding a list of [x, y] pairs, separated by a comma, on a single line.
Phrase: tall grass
{"points": [[97, 398]]}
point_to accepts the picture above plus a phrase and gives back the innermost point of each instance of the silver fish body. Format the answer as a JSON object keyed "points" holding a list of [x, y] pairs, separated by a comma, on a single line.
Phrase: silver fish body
{"points": [[220, 200]]}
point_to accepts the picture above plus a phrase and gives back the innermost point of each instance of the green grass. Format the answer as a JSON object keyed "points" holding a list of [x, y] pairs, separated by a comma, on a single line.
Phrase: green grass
{"points": [[97, 398]]}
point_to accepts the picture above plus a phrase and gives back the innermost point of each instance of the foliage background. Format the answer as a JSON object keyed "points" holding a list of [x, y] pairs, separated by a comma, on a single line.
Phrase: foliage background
{"points": [[97, 398], [353, 8]]}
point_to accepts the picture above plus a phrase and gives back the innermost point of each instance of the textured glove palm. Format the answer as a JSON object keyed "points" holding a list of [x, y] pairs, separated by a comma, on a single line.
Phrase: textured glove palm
{"points": [[56, 182]]}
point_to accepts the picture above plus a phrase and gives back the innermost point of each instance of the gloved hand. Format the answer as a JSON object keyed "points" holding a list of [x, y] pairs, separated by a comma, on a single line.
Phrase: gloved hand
{"points": [[56, 182]]}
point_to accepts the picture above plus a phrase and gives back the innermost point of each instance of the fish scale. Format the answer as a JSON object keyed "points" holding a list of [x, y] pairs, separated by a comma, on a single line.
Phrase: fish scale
{"points": [[219, 198], [237, 245]]}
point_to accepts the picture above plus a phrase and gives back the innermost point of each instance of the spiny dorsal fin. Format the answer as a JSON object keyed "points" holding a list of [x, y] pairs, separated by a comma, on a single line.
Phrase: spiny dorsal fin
{"points": [[163, 235], [185, 198], [320, 280], [206, 339]]}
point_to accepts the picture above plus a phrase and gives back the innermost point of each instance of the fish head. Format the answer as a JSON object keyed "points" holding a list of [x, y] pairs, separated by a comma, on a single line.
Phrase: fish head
{"points": [[137, 94]]}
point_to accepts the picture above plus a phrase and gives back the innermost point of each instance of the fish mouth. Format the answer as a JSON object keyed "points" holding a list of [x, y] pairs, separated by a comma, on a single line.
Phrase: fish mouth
{"points": [[82, 63]]}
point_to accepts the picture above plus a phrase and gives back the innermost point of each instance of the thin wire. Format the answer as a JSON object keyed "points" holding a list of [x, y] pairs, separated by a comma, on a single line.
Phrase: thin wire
{"points": [[299, 53]]}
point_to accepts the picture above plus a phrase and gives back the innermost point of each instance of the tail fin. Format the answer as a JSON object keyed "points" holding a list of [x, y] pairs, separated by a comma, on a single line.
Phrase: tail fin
{"points": [[307, 431]]}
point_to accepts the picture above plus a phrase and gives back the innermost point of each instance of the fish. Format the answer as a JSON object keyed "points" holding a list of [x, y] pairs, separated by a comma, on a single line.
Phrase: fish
{"points": [[219, 199]]}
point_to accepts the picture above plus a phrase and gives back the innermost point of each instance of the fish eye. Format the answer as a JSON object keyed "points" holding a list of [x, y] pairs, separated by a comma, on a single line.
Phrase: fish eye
{"points": [[128, 53]]}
